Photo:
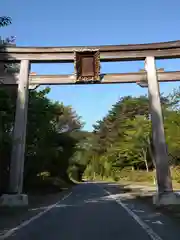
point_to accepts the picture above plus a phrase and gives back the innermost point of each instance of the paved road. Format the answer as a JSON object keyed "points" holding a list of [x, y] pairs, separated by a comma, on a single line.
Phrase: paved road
{"points": [[94, 212]]}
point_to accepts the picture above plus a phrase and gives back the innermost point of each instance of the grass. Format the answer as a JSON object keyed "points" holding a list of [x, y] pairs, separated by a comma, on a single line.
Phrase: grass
{"points": [[138, 177]]}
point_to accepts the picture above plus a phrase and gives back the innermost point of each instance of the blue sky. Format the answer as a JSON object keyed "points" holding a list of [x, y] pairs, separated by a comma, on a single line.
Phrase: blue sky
{"points": [[94, 22]]}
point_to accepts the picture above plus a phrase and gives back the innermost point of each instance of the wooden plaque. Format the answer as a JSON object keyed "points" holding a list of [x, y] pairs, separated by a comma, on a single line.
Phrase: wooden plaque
{"points": [[87, 65]]}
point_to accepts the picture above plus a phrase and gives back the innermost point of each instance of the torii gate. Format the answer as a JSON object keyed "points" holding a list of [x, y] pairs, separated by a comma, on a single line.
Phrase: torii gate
{"points": [[87, 70]]}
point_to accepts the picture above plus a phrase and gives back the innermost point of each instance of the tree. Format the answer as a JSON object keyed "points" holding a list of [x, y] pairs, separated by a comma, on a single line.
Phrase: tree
{"points": [[7, 106], [5, 21], [51, 137]]}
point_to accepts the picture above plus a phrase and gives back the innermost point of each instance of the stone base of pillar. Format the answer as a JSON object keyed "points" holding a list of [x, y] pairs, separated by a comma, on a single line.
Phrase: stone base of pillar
{"points": [[170, 198], [14, 200]]}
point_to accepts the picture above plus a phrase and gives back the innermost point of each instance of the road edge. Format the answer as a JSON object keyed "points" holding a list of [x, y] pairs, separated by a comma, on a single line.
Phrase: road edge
{"points": [[32, 219], [143, 225]]}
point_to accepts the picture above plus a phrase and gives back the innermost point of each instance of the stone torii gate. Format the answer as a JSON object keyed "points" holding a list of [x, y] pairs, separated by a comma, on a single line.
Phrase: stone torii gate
{"points": [[87, 70]]}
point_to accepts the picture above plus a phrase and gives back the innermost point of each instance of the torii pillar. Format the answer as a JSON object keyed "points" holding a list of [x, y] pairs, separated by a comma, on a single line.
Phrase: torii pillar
{"points": [[165, 194], [15, 196]]}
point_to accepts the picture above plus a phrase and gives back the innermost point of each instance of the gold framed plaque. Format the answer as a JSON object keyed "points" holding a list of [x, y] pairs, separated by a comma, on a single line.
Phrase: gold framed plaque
{"points": [[87, 65]]}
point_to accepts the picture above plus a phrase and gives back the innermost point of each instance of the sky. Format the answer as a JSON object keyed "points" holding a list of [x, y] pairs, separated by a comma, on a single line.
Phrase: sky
{"points": [[94, 22]]}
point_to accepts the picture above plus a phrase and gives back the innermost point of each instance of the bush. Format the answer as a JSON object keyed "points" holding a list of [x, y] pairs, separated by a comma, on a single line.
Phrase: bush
{"points": [[116, 178], [45, 185]]}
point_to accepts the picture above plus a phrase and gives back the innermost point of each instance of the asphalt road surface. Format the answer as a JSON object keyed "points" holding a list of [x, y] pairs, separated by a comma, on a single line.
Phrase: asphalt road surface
{"points": [[94, 211]]}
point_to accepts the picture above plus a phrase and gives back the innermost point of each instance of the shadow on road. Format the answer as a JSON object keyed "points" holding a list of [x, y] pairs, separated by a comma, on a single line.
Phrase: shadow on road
{"points": [[11, 217], [139, 196]]}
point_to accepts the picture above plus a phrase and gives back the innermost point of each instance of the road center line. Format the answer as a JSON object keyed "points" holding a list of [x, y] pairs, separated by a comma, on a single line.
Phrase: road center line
{"points": [[148, 230], [27, 222]]}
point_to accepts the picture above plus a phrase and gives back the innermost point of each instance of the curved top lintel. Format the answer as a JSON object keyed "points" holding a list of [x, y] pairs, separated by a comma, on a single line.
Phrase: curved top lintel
{"points": [[105, 48]]}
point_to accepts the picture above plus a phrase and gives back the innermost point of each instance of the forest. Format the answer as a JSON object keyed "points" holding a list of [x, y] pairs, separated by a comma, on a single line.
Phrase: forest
{"points": [[121, 147], [59, 152]]}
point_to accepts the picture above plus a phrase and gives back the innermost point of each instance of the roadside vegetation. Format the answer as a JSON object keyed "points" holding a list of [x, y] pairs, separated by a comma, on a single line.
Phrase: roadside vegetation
{"points": [[121, 149]]}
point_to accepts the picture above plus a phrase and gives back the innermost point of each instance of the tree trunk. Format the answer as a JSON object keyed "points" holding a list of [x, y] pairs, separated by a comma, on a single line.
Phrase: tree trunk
{"points": [[145, 160], [151, 153]]}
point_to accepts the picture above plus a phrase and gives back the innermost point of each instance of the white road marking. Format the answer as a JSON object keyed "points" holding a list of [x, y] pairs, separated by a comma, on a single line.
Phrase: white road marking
{"points": [[148, 230], [27, 222], [154, 215], [138, 211], [158, 222]]}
